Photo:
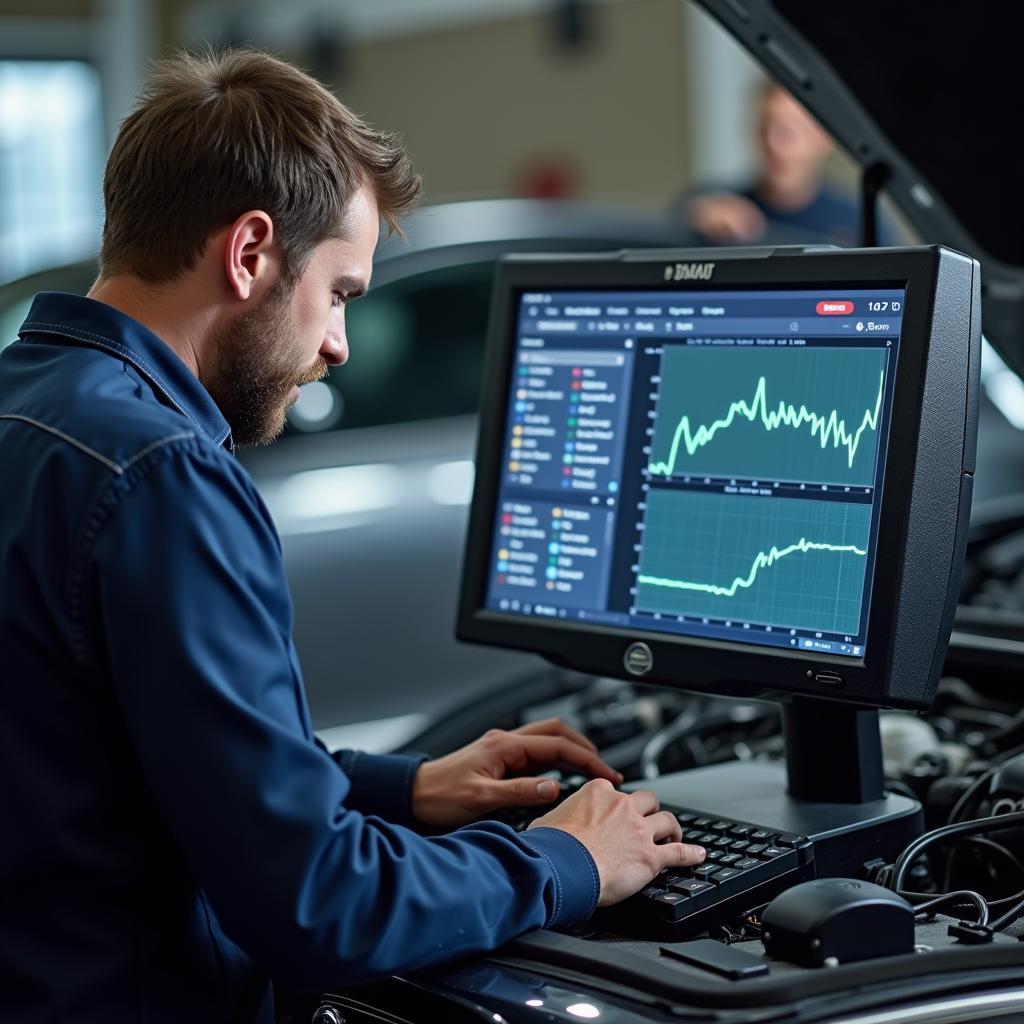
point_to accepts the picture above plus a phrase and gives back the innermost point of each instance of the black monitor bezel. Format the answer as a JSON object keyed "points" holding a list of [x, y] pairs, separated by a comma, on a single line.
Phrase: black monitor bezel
{"points": [[682, 661]]}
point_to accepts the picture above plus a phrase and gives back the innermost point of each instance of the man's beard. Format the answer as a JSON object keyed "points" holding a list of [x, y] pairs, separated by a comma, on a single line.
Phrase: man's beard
{"points": [[256, 363]]}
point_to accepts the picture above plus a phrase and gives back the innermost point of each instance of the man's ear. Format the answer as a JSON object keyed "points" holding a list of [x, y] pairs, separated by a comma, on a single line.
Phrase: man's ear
{"points": [[249, 256]]}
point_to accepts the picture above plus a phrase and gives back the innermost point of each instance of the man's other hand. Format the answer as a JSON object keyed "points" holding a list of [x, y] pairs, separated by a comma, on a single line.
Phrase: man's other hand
{"points": [[628, 837], [470, 782], [727, 219]]}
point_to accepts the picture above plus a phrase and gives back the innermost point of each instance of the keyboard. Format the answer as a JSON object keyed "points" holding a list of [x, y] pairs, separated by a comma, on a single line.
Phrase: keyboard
{"points": [[747, 865]]}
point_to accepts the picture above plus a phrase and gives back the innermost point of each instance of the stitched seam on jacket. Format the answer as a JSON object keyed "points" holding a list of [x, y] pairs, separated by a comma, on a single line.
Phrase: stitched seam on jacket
{"points": [[103, 342], [558, 885], [102, 509], [102, 459], [152, 447], [558, 889], [589, 857]]}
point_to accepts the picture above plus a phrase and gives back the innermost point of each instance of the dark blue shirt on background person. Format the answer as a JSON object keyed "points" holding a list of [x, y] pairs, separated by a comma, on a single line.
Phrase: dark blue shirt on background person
{"points": [[831, 216], [164, 804]]}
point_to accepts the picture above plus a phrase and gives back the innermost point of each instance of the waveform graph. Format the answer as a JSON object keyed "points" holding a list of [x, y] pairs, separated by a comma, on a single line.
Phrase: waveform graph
{"points": [[795, 414], [787, 562]]}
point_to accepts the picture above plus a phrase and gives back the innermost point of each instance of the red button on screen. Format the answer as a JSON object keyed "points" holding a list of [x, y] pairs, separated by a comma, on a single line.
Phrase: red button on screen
{"points": [[832, 307]]}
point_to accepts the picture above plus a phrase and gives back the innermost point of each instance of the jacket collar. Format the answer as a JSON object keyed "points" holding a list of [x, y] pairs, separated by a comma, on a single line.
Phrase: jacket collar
{"points": [[101, 326]]}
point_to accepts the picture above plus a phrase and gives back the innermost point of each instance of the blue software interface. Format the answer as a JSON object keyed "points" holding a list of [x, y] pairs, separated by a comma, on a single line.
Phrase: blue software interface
{"points": [[707, 464]]}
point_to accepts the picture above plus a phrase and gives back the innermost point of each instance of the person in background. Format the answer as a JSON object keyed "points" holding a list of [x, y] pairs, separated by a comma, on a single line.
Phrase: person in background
{"points": [[789, 190]]}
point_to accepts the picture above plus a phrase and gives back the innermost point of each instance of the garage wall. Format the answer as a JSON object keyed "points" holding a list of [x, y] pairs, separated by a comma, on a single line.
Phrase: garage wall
{"points": [[616, 111], [46, 8]]}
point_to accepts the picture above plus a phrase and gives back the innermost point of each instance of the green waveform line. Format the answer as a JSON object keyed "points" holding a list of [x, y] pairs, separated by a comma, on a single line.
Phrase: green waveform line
{"points": [[829, 428], [763, 560]]}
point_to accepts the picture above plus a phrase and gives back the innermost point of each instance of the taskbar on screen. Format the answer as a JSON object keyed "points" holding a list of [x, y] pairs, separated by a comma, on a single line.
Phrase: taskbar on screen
{"points": [[751, 634]]}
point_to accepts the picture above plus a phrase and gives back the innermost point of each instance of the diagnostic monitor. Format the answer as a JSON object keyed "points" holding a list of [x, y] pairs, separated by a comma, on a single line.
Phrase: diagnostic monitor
{"points": [[744, 472]]}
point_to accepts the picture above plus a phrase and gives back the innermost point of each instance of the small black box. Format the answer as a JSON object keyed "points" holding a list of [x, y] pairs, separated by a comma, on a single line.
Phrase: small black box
{"points": [[838, 919]]}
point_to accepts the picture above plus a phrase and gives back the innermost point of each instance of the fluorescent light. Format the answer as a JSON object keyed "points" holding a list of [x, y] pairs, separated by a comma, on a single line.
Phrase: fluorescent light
{"points": [[317, 406], [340, 491], [451, 483], [1002, 385]]}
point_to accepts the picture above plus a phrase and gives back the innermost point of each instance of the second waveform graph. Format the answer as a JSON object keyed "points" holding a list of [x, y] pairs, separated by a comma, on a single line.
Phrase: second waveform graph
{"points": [[786, 562], [796, 414]]}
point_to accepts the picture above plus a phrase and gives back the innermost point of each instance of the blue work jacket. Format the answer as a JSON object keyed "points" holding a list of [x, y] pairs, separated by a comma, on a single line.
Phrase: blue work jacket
{"points": [[171, 836]]}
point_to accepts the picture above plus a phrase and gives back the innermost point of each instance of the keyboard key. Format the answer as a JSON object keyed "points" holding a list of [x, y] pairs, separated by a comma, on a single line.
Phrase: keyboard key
{"points": [[724, 842], [745, 863], [729, 859], [756, 848], [741, 831], [762, 836], [721, 826], [717, 855], [686, 819], [702, 822], [790, 842], [726, 874], [773, 851], [652, 892], [689, 886], [705, 871], [672, 905], [739, 846], [706, 838]]}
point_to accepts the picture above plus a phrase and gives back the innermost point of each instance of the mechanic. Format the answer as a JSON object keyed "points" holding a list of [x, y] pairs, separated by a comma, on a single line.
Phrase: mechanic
{"points": [[789, 189], [174, 834]]}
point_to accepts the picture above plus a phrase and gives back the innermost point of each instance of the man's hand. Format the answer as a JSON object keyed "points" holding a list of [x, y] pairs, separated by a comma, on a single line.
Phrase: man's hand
{"points": [[470, 782], [726, 218], [628, 837]]}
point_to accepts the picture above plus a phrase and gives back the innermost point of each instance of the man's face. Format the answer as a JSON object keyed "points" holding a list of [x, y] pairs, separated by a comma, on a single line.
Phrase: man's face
{"points": [[294, 333], [793, 145]]}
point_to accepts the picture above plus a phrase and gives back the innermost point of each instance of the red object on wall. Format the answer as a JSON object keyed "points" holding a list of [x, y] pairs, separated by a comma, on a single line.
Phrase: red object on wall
{"points": [[549, 178]]}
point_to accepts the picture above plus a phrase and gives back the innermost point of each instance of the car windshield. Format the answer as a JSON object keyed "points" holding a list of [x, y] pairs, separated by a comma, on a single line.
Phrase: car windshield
{"points": [[416, 345]]}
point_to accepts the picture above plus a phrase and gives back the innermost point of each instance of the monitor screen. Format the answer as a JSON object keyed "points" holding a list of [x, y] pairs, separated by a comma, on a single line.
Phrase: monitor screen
{"points": [[706, 464]]}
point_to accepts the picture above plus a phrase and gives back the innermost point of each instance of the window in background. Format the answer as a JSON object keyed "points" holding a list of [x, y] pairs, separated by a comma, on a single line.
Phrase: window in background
{"points": [[51, 164]]}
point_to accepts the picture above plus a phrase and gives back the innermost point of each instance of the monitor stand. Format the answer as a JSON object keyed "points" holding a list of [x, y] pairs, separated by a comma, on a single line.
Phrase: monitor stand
{"points": [[832, 789]]}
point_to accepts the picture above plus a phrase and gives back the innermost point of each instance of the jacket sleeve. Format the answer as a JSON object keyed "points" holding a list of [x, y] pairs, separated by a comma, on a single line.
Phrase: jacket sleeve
{"points": [[379, 783], [186, 575]]}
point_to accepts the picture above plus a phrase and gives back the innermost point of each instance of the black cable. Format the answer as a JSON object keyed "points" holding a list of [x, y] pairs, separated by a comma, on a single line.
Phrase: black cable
{"points": [[1009, 917], [953, 687], [895, 786], [961, 894], [967, 794], [980, 716], [965, 828], [997, 762], [988, 844], [1010, 732]]}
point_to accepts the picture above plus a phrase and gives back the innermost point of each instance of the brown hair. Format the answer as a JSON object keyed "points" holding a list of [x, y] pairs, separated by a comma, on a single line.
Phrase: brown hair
{"points": [[218, 134]]}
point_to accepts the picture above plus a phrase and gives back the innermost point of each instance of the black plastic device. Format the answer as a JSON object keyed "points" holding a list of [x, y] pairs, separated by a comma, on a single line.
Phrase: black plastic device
{"points": [[837, 920], [744, 472], [726, 961]]}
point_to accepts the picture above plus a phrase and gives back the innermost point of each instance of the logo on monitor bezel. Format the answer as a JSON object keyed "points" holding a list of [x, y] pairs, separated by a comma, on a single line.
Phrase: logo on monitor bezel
{"points": [[689, 271]]}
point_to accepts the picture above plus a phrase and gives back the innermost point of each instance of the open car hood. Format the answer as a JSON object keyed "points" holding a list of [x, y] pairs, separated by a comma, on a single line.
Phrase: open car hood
{"points": [[926, 98]]}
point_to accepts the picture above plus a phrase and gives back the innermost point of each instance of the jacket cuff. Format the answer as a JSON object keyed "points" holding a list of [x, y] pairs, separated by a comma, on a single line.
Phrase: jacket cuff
{"points": [[382, 784], [576, 882]]}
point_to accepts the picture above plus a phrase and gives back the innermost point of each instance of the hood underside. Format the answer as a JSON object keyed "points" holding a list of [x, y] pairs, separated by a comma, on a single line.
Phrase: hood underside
{"points": [[927, 97]]}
